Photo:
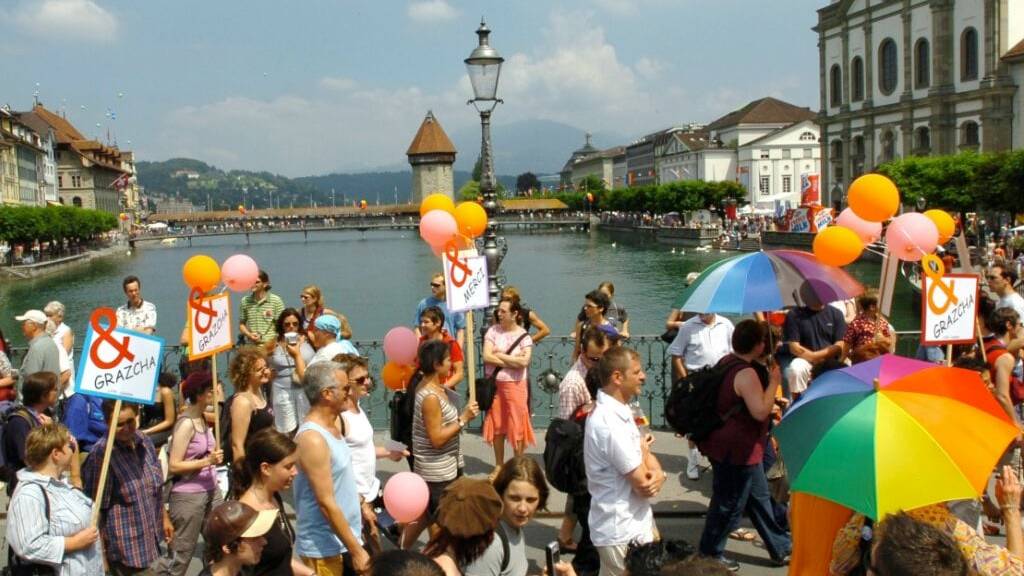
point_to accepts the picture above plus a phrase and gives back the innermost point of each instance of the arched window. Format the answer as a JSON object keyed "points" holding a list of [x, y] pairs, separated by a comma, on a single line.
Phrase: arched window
{"points": [[888, 146], [857, 82], [858, 146], [857, 156], [836, 157], [923, 140], [969, 55], [922, 64], [888, 69], [76, 201], [970, 134], [835, 84]]}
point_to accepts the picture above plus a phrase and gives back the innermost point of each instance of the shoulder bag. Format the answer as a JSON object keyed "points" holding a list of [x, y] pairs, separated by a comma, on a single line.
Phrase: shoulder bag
{"points": [[487, 387]]}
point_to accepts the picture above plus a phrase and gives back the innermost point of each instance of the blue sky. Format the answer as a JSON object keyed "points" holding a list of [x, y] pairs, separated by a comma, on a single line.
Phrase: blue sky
{"points": [[313, 86]]}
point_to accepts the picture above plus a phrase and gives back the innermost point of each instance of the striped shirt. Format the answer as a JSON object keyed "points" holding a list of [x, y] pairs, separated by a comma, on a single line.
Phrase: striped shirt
{"points": [[131, 522], [435, 464], [260, 316], [39, 541]]}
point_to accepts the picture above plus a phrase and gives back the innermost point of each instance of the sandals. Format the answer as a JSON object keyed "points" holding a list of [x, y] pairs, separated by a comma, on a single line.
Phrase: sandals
{"points": [[743, 535]]}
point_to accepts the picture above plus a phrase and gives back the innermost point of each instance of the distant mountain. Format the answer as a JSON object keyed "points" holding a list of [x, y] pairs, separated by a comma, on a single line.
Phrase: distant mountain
{"points": [[199, 183], [538, 146]]}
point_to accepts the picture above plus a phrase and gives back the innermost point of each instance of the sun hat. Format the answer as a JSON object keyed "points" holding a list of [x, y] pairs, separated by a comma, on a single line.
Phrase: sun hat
{"points": [[233, 520], [469, 507], [36, 316], [328, 323]]}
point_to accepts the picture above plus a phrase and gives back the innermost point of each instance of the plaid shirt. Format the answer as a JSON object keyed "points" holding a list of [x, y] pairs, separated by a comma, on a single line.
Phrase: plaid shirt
{"points": [[572, 392], [131, 522]]}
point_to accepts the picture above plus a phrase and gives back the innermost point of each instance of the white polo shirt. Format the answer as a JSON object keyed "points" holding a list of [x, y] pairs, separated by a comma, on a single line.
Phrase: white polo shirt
{"points": [[611, 450], [701, 344]]}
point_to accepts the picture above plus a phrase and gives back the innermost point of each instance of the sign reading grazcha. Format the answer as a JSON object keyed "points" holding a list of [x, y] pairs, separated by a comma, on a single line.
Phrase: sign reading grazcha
{"points": [[118, 363], [209, 325], [949, 309]]}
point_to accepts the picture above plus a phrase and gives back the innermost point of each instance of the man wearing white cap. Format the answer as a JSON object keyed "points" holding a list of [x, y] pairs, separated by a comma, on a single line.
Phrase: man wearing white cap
{"points": [[42, 355]]}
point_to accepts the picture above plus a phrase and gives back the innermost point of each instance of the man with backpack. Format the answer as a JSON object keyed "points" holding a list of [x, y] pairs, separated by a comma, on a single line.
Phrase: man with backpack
{"points": [[701, 342], [38, 394], [746, 396]]}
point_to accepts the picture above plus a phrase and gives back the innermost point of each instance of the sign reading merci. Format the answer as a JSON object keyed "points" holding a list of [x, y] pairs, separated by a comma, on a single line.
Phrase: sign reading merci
{"points": [[118, 363], [209, 324], [465, 280]]}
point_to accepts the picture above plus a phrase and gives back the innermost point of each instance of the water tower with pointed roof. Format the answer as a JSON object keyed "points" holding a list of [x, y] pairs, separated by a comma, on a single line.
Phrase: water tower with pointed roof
{"points": [[431, 155]]}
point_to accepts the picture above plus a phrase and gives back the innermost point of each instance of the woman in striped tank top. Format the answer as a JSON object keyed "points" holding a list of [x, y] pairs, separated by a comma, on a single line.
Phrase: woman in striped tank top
{"points": [[436, 427]]}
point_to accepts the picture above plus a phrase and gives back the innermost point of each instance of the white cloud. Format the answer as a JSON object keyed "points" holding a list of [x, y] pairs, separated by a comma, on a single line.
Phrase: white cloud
{"points": [[620, 7], [431, 11], [649, 68], [68, 20], [337, 83]]}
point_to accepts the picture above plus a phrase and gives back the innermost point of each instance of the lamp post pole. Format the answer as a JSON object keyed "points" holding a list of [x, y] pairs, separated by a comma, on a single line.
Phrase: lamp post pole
{"points": [[484, 67]]}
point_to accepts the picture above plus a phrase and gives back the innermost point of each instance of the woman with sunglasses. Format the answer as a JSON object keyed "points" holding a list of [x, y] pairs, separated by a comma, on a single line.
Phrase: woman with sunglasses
{"points": [[288, 359], [248, 410], [359, 437], [313, 307]]}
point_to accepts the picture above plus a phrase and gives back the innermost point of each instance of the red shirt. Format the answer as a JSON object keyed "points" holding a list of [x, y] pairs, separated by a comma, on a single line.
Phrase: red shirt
{"points": [[453, 345]]}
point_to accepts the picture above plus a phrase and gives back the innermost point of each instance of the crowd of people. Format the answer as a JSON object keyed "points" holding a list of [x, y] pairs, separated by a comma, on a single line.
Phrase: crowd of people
{"points": [[294, 433]]}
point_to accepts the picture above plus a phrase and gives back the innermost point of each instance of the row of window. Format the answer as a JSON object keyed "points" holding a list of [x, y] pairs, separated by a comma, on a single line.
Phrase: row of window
{"points": [[970, 134], [888, 67], [764, 187]]}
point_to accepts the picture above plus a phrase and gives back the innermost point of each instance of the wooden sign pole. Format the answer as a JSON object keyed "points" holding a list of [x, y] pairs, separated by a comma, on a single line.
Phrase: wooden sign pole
{"points": [[471, 355], [887, 283], [216, 406], [98, 501]]}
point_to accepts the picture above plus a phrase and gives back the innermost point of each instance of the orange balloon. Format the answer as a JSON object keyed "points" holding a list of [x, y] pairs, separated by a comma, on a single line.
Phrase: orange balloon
{"points": [[471, 219], [944, 222], [201, 271], [837, 246], [437, 201], [874, 198], [396, 376]]}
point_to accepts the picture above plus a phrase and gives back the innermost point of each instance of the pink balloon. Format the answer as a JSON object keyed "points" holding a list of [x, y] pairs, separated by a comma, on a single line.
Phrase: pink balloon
{"points": [[400, 345], [406, 496], [912, 235], [239, 273], [868, 231], [437, 227]]}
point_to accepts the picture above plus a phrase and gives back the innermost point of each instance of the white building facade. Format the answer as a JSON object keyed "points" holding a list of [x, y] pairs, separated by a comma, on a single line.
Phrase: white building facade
{"points": [[914, 77]]}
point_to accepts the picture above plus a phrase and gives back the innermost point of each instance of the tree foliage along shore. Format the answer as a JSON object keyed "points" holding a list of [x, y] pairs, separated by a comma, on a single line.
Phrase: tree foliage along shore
{"points": [[25, 224], [965, 182], [681, 196]]}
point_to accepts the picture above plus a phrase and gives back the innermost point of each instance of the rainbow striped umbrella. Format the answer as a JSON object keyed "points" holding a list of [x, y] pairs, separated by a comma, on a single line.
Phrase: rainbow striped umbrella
{"points": [[894, 434], [770, 280]]}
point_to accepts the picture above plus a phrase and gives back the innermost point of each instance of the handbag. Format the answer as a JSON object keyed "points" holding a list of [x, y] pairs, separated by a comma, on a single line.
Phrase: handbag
{"points": [[669, 336], [487, 387], [16, 566]]}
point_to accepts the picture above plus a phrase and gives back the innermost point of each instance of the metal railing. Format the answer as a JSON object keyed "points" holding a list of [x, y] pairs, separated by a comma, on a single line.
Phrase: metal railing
{"points": [[552, 358]]}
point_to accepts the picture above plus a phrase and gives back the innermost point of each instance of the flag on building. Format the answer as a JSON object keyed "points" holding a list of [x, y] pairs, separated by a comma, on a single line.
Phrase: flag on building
{"points": [[121, 181], [809, 190]]}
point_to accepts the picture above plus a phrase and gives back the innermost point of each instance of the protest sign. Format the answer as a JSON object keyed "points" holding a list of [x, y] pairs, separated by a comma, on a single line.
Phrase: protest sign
{"points": [[948, 309], [209, 325], [118, 363], [465, 279]]}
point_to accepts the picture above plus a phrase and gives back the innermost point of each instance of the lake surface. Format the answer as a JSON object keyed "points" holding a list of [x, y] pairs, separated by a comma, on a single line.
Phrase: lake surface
{"points": [[377, 278]]}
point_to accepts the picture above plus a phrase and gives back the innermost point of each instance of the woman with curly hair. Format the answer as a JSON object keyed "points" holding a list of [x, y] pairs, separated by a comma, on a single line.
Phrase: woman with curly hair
{"points": [[247, 408]]}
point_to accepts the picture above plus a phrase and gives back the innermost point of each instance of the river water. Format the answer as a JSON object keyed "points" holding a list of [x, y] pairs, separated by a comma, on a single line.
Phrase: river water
{"points": [[377, 278]]}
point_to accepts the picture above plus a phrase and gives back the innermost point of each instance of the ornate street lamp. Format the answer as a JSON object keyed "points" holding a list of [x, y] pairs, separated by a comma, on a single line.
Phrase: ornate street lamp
{"points": [[484, 66]]}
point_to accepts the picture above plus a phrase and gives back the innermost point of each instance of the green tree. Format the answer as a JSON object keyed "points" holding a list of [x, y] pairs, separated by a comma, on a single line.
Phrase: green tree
{"points": [[527, 181], [470, 190]]}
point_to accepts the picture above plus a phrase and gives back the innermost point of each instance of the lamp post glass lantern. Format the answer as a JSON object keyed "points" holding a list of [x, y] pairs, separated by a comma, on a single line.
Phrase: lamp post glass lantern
{"points": [[484, 67]]}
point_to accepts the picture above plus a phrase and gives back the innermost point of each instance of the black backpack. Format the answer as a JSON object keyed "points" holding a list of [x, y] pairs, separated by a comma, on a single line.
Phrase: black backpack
{"points": [[691, 406], [563, 456], [403, 405], [10, 410]]}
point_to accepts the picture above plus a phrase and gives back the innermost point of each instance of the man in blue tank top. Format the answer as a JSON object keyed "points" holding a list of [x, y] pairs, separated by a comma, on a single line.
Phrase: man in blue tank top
{"points": [[329, 522]]}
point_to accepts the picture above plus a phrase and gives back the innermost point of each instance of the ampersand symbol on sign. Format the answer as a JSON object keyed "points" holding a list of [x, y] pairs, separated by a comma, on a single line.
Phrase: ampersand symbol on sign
{"points": [[452, 252], [195, 301], [103, 334], [934, 270]]}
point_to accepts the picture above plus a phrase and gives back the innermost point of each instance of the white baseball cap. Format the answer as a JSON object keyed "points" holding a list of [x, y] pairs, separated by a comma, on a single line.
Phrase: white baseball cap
{"points": [[36, 316]]}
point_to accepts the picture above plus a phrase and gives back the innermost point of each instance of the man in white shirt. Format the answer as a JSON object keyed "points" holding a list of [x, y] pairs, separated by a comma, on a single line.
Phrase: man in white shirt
{"points": [[622, 473], [325, 333], [702, 341], [136, 314], [1001, 281]]}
